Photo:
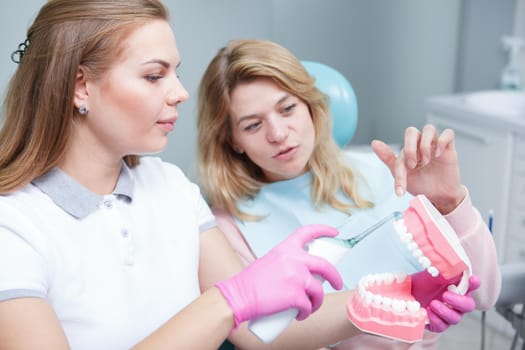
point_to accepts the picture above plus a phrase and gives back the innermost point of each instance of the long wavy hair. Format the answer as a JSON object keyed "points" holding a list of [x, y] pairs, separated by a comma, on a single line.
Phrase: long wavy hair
{"points": [[39, 103], [226, 176]]}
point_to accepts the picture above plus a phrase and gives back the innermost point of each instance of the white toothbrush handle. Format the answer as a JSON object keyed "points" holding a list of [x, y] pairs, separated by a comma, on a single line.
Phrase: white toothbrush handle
{"points": [[267, 328]]}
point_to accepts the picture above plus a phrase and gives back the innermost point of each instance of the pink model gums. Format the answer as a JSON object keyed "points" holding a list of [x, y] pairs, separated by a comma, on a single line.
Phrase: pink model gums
{"points": [[393, 304]]}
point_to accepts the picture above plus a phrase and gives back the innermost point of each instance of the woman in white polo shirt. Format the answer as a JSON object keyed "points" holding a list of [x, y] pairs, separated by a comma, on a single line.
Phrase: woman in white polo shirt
{"points": [[100, 249]]}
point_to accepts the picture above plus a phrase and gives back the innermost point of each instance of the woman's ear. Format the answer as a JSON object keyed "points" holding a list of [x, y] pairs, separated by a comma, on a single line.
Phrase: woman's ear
{"points": [[81, 92], [237, 149]]}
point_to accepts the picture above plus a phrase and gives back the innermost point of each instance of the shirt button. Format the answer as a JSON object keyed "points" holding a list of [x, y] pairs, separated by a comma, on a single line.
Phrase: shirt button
{"points": [[129, 260], [124, 233], [108, 204]]}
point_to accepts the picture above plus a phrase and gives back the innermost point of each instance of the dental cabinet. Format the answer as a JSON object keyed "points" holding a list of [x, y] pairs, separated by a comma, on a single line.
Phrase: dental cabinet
{"points": [[490, 140]]}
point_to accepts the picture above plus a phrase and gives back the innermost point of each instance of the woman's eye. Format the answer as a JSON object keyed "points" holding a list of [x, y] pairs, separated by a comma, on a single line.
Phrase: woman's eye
{"points": [[153, 77], [251, 126], [289, 108]]}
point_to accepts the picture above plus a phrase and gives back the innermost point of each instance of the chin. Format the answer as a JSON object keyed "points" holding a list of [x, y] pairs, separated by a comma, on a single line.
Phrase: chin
{"points": [[159, 145], [153, 150]]}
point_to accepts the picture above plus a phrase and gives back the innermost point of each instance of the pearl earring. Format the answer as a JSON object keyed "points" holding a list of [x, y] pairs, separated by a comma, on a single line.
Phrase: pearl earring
{"points": [[83, 110]]}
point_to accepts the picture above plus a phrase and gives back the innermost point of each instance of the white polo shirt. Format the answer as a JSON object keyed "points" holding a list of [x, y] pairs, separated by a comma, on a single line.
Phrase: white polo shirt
{"points": [[115, 267]]}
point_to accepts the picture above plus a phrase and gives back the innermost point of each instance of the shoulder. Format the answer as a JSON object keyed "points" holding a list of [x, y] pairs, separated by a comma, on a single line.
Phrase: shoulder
{"points": [[371, 171], [226, 223], [154, 174], [23, 216], [230, 230], [163, 182], [155, 167], [23, 203], [365, 162]]}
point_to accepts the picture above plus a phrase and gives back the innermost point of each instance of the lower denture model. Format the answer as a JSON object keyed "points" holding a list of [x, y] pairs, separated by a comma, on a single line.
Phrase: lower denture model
{"points": [[385, 304]]}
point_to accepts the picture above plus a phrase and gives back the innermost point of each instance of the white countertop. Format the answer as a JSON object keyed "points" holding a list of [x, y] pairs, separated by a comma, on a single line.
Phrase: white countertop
{"points": [[454, 105]]}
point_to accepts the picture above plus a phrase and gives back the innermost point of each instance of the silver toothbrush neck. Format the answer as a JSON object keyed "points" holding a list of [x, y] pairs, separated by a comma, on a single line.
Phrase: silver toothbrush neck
{"points": [[351, 242]]}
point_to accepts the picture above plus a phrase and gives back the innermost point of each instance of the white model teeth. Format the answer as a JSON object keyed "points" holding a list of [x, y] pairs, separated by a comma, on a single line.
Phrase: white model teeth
{"points": [[396, 305], [408, 239], [412, 246], [425, 262], [400, 276], [387, 302], [388, 278], [433, 271], [368, 297], [413, 305]]}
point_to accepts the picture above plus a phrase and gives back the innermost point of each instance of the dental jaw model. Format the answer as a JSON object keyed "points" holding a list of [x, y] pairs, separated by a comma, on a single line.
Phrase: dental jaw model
{"points": [[385, 304]]}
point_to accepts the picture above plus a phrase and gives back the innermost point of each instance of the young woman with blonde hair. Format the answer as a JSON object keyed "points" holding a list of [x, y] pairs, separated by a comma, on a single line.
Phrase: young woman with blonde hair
{"points": [[268, 163]]}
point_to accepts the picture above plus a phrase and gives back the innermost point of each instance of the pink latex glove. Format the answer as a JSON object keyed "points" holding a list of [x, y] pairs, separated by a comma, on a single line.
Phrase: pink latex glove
{"points": [[284, 278], [444, 308]]}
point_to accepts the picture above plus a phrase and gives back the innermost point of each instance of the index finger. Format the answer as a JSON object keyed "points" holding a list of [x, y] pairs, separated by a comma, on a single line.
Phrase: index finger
{"points": [[321, 267], [307, 233], [459, 302]]}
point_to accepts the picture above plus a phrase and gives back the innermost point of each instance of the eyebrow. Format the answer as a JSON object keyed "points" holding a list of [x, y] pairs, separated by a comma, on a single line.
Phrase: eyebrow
{"points": [[281, 100], [163, 63]]}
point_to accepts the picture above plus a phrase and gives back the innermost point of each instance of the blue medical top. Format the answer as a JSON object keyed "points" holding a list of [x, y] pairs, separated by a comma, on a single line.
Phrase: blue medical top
{"points": [[287, 205]]}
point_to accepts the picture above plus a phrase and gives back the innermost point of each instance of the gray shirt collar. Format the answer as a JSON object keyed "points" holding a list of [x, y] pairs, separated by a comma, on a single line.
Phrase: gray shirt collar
{"points": [[74, 198]]}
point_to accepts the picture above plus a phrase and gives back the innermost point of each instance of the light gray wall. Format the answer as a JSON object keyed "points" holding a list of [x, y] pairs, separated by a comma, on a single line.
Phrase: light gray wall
{"points": [[519, 28], [15, 18], [395, 53], [481, 56]]}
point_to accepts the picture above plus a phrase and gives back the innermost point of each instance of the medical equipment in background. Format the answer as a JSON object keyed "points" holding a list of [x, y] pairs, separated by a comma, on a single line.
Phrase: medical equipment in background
{"points": [[511, 301], [512, 74], [342, 101]]}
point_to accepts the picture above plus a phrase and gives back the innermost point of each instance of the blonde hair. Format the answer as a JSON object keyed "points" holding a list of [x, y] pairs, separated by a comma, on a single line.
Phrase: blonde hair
{"points": [[225, 175], [39, 102]]}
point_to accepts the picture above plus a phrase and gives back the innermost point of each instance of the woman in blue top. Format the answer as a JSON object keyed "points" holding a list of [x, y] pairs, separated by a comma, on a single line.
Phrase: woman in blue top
{"points": [[268, 164]]}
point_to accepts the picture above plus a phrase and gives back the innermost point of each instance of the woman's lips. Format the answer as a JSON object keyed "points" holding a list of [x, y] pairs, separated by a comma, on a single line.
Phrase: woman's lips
{"points": [[286, 154], [167, 124]]}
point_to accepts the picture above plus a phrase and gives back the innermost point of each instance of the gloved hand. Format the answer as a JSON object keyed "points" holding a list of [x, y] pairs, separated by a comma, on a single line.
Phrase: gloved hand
{"points": [[452, 307], [444, 308], [282, 279]]}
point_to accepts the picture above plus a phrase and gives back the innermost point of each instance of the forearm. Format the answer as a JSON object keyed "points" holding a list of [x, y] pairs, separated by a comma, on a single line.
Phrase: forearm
{"points": [[203, 324], [328, 325], [479, 246]]}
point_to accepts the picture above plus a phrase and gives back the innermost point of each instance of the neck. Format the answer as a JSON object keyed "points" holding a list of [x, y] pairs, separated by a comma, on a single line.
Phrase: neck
{"points": [[100, 178], [91, 162], [96, 171]]}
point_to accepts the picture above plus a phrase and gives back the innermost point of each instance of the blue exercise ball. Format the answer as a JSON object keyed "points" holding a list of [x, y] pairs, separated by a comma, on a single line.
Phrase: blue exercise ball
{"points": [[342, 99]]}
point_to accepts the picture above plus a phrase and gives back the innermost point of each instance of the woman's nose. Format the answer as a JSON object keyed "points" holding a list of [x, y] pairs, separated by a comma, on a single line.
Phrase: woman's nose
{"points": [[277, 130], [177, 94]]}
